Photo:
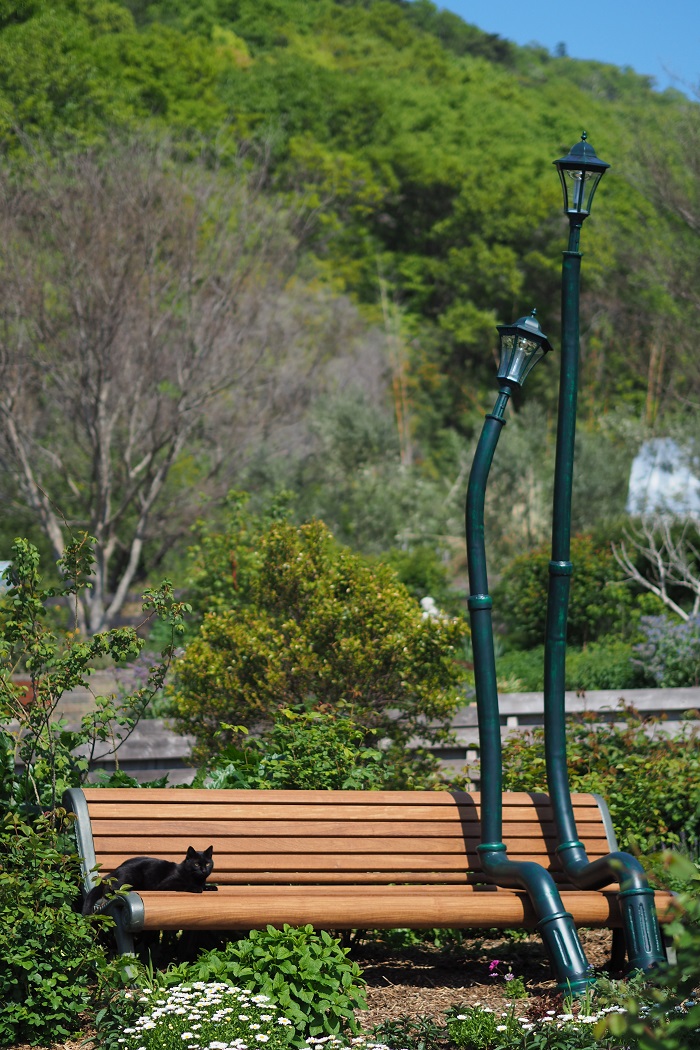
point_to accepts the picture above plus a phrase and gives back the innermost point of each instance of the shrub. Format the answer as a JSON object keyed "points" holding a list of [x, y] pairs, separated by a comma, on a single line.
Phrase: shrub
{"points": [[597, 606], [323, 626], [307, 749], [670, 651], [225, 562], [601, 665], [49, 958], [650, 779], [307, 973]]}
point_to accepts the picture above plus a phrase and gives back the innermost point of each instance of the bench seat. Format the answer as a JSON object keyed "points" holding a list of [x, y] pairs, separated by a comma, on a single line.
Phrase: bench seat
{"points": [[335, 859]]}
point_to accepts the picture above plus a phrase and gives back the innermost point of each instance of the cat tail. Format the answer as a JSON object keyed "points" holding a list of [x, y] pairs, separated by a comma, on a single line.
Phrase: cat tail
{"points": [[92, 897]]}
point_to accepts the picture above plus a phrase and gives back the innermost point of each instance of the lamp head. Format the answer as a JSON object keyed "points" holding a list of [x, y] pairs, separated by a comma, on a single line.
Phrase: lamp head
{"points": [[580, 172], [523, 344]]}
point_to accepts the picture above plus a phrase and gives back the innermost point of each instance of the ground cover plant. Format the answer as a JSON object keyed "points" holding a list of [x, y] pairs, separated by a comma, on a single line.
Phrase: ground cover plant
{"points": [[219, 1016]]}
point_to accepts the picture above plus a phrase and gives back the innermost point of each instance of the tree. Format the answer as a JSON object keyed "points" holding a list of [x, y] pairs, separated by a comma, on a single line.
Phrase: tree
{"points": [[140, 331]]}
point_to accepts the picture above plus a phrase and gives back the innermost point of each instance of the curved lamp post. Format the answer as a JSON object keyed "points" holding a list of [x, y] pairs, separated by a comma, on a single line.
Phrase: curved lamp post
{"points": [[523, 344], [580, 172]]}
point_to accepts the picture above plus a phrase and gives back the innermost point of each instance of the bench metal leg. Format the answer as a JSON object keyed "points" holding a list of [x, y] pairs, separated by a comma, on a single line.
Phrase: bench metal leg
{"points": [[125, 941]]}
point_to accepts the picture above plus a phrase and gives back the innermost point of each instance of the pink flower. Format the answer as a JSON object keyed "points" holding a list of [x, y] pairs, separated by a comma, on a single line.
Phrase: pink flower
{"points": [[493, 966]]}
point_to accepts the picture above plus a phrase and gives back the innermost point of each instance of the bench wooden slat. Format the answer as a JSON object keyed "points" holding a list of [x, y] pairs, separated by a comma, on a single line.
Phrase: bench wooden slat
{"points": [[327, 798], [369, 878], [294, 852], [235, 811], [239, 908], [150, 846], [288, 865], [181, 829]]}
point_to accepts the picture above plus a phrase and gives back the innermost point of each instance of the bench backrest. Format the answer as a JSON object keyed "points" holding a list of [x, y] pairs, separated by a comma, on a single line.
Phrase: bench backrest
{"points": [[324, 837]]}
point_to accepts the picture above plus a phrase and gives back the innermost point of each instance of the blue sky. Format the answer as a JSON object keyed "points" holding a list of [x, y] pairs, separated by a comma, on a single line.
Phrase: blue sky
{"points": [[660, 38]]}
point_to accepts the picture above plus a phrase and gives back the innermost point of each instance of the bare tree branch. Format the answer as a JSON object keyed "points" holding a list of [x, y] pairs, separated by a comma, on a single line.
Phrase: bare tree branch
{"points": [[138, 321], [670, 560]]}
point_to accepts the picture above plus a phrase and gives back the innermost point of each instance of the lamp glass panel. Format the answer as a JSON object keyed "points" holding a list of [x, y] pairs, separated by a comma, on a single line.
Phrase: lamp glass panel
{"points": [[507, 344], [536, 355], [525, 355], [579, 186]]}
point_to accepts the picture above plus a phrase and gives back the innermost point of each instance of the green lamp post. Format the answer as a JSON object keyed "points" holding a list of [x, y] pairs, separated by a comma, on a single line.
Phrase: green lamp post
{"points": [[523, 344], [580, 172]]}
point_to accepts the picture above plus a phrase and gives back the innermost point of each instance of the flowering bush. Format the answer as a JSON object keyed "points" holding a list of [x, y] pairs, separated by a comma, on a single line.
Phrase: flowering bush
{"points": [[481, 1028], [670, 652], [217, 1016]]}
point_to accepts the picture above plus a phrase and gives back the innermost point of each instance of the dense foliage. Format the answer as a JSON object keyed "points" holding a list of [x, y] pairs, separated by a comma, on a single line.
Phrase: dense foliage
{"points": [[321, 626], [649, 778], [598, 606], [303, 749], [600, 665], [50, 957]]}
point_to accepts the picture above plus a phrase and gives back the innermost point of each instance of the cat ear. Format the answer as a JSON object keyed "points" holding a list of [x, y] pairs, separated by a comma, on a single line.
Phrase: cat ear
{"points": [[208, 852], [191, 851]]}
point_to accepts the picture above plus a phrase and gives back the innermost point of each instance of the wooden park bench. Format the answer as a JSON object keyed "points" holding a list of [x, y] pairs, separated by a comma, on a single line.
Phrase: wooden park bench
{"points": [[335, 859]]}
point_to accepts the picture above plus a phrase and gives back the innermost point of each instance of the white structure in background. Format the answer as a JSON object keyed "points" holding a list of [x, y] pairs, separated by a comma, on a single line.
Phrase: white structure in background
{"points": [[661, 481], [4, 566], [430, 609]]}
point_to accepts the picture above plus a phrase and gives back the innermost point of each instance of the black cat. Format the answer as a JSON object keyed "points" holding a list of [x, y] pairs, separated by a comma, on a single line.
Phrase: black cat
{"points": [[150, 873]]}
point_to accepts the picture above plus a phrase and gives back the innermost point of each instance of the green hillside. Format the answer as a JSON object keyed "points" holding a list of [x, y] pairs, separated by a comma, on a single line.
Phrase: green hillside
{"points": [[423, 147]]}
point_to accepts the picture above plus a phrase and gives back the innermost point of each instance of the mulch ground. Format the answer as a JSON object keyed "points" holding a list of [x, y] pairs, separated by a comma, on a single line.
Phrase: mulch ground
{"points": [[424, 981]]}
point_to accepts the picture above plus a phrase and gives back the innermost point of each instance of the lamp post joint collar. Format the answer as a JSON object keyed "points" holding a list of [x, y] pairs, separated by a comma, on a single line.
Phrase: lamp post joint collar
{"points": [[479, 601]]}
